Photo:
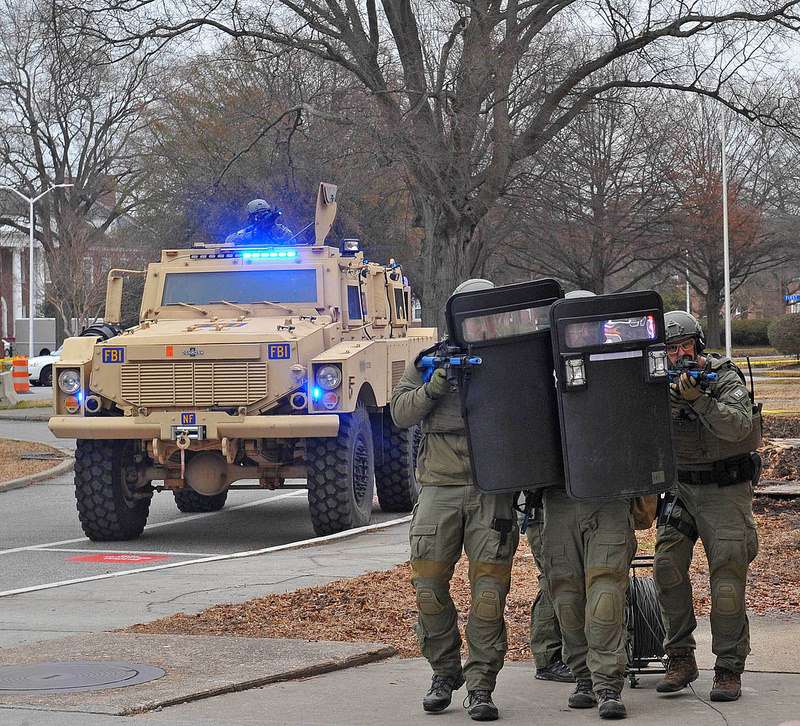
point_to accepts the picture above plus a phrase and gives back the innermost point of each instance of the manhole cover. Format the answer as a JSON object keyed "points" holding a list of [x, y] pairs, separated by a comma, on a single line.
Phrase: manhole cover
{"points": [[48, 678]]}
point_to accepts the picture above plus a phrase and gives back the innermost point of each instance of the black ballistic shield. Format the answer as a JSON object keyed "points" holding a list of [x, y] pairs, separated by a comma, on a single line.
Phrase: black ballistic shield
{"points": [[613, 395], [508, 400]]}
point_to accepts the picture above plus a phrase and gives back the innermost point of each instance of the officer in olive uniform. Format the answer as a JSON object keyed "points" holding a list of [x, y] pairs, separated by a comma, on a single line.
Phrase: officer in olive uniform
{"points": [[263, 226], [452, 514], [545, 633], [714, 435], [587, 551]]}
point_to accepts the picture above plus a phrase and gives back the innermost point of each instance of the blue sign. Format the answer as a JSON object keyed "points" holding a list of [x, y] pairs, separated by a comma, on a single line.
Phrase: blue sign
{"points": [[188, 419], [113, 355], [792, 298], [279, 351]]}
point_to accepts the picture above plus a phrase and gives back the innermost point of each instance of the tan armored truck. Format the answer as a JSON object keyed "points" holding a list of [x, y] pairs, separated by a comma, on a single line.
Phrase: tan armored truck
{"points": [[249, 362]]}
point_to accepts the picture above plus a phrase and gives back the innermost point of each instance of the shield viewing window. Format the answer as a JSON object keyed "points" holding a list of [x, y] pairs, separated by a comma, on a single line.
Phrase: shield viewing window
{"points": [[613, 398], [509, 400]]}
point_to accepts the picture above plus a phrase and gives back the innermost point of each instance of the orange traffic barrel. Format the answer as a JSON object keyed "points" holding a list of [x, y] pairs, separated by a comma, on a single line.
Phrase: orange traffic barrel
{"points": [[20, 375]]}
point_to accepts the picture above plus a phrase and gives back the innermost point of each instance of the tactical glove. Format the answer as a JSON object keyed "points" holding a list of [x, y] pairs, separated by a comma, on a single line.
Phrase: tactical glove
{"points": [[438, 385], [689, 388]]}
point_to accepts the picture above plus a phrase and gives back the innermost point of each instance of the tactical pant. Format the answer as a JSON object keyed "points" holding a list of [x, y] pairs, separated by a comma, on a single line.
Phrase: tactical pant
{"points": [[723, 519], [588, 548], [447, 519], [545, 634]]}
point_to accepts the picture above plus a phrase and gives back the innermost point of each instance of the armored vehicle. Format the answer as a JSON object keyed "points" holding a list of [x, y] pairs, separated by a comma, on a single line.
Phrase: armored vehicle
{"points": [[249, 362]]}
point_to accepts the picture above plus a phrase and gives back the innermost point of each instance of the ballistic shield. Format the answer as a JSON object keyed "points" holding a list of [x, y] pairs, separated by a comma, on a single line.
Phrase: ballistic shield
{"points": [[508, 399], [613, 398]]}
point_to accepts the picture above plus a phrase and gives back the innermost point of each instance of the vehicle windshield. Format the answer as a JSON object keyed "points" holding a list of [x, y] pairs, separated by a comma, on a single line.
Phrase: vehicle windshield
{"points": [[245, 286]]}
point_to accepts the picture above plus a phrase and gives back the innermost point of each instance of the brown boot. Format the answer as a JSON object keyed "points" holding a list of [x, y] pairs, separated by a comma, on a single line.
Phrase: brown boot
{"points": [[727, 685], [682, 670]]}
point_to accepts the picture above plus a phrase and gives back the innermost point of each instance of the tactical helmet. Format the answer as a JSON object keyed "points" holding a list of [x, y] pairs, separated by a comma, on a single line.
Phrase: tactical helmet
{"points": [[680, 324], [472, 285], [258, 206]]}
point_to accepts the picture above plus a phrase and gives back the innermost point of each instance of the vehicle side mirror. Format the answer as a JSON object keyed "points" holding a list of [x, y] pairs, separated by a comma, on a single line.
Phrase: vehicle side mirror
{"points": [[113, 313]]}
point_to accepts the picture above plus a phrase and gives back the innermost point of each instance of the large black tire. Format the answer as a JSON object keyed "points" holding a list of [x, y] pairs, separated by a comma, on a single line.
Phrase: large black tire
{"points": [[341, 475], [106, 510], [104, 331], [396, 460], [46, 376], [188, 500]]}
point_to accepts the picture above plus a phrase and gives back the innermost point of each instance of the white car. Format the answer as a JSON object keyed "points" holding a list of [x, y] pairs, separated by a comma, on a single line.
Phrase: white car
{"points": [[40, 368]]}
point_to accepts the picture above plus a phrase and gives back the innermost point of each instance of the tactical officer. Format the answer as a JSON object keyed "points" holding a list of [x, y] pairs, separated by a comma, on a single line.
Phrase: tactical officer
{"points": [[545, 633], [262, 227], [587, 550], [714, 435], [452, 515]]}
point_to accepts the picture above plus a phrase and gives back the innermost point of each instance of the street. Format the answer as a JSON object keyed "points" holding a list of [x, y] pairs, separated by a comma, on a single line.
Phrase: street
{"points": [[42, 545]]}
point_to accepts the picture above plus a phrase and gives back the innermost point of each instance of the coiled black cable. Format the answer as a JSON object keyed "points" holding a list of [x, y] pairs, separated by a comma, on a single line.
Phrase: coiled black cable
{"points": [[643, 618]]}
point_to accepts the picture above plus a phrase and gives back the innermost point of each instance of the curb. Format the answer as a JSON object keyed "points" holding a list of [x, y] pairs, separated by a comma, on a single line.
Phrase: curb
{"points": [[317, 669], [57, 470], [11, 414]]}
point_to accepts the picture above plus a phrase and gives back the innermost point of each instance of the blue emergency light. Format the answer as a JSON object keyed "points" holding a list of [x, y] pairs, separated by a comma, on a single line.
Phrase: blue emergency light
{"points": [[269, 254], [316, 393]]}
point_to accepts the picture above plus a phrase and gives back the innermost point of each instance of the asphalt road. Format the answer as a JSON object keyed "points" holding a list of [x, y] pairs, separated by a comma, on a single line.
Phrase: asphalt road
{"points": [[41, 542]]}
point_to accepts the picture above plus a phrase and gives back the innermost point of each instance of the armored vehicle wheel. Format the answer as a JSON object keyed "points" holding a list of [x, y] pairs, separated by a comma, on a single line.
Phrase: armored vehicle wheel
{"points": [[188, 500], [106, 509], [396, 454], [341, 475]]}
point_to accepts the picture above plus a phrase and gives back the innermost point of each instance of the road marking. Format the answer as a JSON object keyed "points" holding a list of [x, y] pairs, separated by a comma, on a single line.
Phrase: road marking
{"points": [[109, 558], [121, 552], [215, 558], [158, 525]]}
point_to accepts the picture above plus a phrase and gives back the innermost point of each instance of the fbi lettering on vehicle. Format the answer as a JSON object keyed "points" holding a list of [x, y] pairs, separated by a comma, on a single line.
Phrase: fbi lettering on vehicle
{"points": [[113, 355], [188, 419], [279, 351]]}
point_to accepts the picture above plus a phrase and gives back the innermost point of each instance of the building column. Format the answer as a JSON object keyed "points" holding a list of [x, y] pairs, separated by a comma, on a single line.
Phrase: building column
{"points": [[16, 284]]}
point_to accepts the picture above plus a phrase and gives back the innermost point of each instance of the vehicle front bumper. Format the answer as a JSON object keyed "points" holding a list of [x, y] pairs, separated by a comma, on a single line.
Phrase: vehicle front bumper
{"points": [[217, 426]]}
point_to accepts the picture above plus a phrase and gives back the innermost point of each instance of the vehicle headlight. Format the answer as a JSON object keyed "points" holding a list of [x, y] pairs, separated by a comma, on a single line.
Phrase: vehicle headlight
{"points": [[69, 381], [329, 377]]}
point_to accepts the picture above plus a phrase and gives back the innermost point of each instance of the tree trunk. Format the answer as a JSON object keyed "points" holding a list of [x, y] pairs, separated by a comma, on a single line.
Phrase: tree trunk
{"points": [[449, 257], [713, 329]]}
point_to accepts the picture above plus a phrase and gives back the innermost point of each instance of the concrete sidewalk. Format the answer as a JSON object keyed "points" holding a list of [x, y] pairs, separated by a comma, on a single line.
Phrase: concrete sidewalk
{"points": [[385, 693]]}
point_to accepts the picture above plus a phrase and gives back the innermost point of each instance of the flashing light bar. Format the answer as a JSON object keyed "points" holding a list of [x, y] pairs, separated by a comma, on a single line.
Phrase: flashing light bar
{"points": [[268, 254], [260, 254]]}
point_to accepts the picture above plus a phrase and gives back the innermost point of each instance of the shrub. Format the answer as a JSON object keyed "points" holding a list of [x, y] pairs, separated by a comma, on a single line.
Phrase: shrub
{"points": [[784, 334], [750, 332]]}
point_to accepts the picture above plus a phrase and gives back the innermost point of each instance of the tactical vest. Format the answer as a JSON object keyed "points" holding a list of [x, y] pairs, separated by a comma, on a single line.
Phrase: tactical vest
{"points": [[698, 448]]}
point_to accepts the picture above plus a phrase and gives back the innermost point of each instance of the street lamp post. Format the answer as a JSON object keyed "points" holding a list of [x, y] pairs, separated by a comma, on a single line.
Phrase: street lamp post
{"points": [[31, 201], [725, 246]]}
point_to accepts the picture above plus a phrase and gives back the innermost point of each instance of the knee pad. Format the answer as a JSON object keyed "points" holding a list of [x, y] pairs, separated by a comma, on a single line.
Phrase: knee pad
{"points": [[569, 610], [487, 603], [605, 606], [665, 573], [428, 602], [725, 598]]}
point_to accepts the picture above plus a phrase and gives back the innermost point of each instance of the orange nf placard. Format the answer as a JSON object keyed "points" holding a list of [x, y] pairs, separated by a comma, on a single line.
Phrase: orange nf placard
{"points": [[19, 375]]}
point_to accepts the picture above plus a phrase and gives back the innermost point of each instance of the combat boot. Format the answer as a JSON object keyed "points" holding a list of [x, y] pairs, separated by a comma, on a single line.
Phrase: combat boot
{"points": [[480, 706], [611, 705], [556, 671], [727, 685], [441, 692], [681, 671], [582, 696]]}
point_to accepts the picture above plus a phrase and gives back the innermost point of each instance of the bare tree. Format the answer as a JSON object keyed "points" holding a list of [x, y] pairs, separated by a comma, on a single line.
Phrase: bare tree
{"points": [[77, 285], [762, 231], [594, 218], [469, 90], [69, 114]]}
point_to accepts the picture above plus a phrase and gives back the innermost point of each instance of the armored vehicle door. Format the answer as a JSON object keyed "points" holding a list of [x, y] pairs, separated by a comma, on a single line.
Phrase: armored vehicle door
{"points": [[613, 395], [509, 401]]}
